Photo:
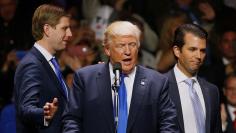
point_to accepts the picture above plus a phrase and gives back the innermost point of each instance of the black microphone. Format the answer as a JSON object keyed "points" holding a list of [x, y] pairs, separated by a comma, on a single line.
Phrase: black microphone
{"points": [[117, 70]]}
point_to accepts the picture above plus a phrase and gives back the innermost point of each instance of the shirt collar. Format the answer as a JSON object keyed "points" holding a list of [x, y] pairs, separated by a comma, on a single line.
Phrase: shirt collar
{"points": [[180, 76], [42, 50], [130, 75]]}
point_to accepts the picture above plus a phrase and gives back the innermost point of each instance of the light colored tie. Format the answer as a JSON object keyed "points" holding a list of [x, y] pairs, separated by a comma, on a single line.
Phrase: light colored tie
{"points": [[198, 109], [59, 76], [123, 111]]}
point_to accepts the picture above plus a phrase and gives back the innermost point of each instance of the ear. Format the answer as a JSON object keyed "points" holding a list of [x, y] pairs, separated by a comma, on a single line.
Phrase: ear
{"points": [[176, 51], [46, 29], [107, 50]]}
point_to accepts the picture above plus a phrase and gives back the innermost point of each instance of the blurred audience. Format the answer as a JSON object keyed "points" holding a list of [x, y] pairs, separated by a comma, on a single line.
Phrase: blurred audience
{"points": [[164, 57], [7, 77], [150, 38], [224, 59], [14, 34], [228, 109]]}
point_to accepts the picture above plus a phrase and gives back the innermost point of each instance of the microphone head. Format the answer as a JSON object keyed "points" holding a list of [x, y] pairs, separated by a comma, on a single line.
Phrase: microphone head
{"points": [[117, 66]]}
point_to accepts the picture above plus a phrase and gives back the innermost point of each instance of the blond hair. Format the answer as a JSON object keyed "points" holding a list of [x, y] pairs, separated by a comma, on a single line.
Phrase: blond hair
{"points": [[121, 28]]}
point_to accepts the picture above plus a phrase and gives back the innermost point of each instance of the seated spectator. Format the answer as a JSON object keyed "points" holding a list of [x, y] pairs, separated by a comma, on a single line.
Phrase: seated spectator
{"points": [[224, 61], [228, 109]]}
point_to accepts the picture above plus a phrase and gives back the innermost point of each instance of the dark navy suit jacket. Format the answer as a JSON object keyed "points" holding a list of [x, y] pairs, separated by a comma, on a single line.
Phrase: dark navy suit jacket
{"points": [[90, 107], [35, 84], [230, 126], [211, 98]]}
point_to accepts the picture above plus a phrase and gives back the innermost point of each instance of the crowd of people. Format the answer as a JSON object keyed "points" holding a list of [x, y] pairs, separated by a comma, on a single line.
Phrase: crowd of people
{"points": [[160, 42]]}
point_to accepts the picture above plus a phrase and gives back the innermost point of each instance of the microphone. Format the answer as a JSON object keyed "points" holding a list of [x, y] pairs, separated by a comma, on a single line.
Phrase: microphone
{"points": [[117, 70]]}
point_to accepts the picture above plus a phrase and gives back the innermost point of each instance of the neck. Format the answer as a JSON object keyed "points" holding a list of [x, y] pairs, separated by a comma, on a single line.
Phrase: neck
{"points": [[45, 45], [185, 71]]}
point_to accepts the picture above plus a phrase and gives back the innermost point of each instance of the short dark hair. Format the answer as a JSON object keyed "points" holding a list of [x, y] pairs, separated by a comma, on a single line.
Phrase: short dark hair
{"points": [[181, 31]]}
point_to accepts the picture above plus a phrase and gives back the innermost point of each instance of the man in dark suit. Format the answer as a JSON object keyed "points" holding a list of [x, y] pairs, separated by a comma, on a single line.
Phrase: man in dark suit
{"points": [[228, 109], [197, 103], [40, 94], [91, 103]]}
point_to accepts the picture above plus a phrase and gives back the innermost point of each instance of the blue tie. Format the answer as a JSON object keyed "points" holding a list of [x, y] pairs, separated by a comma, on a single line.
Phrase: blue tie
{"points": [[198, 109], [59, 76], [123, 111]]}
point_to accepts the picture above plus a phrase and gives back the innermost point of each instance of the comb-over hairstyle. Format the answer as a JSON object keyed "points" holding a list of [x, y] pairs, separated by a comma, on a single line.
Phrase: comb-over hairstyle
{"points": [[121, 28], [182, 30]]}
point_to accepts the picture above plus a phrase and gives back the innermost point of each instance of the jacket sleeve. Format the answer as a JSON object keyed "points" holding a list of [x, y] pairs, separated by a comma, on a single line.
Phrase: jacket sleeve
{"points": [[27, 86], [72, 116]]}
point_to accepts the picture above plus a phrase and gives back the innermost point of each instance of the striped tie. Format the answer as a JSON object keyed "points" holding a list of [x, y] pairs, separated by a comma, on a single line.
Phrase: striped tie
{"points": [[198, 109]]}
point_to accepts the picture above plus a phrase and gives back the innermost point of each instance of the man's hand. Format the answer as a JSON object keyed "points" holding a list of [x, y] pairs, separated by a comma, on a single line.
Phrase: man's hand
{"points": [[207, 10], [50, 109]]}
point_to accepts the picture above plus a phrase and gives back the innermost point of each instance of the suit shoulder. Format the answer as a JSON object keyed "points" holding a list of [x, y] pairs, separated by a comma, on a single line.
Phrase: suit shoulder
{"points": [[205, 82], [91, 69], [28, 60], [152, 73]]}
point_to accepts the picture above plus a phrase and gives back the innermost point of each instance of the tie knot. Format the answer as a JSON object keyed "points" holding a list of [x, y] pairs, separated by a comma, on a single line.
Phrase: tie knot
{"points": [[189, 81], [53, 59], [123, 76]]}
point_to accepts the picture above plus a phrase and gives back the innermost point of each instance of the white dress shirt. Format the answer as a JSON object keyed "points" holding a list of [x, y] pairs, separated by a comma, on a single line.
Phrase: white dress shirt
{"points": [[231, 111], [129, 82], [46, 54], [190, 125]]}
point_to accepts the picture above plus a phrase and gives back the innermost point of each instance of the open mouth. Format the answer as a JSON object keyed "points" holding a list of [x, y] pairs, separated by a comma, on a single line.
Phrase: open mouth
{"points": [[127, 61]]}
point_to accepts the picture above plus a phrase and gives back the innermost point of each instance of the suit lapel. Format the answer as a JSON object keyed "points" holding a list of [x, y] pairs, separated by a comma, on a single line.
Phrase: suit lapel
{"points": [[207, 100], [174, 94], [104, 86], [139, 90], [49, 70]]}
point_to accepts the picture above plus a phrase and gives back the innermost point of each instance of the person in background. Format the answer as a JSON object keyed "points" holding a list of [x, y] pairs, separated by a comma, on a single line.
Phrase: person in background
{"points": [[14, 33], [40, 91], [224, 61], [144, 104], [7, 77], [197, 101], [228, 109], [164, 55]]}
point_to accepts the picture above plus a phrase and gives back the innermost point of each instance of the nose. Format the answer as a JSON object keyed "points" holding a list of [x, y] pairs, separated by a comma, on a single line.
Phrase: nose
{"points": [[127, 50], [69, 33], [198, 54]]}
